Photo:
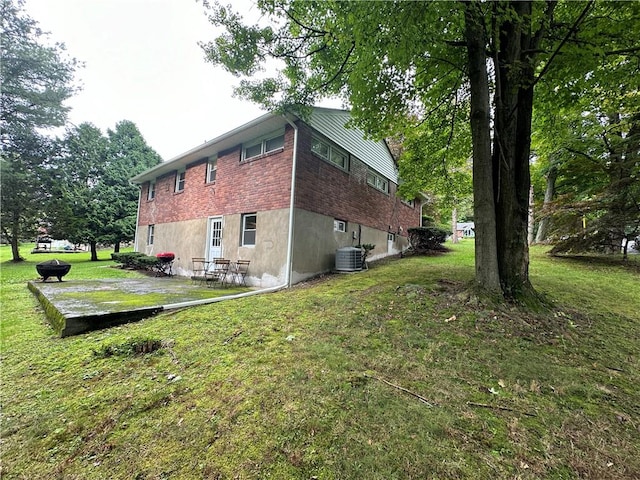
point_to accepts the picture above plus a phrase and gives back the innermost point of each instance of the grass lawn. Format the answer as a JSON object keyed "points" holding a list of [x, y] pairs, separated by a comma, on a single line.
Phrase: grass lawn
{"points": [[389, 373]]}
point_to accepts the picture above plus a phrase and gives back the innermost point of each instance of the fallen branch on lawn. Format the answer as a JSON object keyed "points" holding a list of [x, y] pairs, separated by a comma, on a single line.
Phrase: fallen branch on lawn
{"points": [[498, 407], [419, 397]]}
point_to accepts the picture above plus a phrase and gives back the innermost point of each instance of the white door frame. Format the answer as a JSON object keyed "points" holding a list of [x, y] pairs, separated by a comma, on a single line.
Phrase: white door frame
{"points": [[215, 227]]}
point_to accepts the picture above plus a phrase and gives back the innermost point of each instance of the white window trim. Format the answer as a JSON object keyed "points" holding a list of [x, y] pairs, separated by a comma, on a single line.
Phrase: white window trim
{"points": [[409, 203], [151, 193], [379, 182], [333, 151], [151, 229], [339, 225], [243, 229], [263, 145], [212, 161], [179, 173]]}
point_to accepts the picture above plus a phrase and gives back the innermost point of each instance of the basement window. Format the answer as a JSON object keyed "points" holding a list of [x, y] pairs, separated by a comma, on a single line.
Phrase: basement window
{"points": [[339, 225]]}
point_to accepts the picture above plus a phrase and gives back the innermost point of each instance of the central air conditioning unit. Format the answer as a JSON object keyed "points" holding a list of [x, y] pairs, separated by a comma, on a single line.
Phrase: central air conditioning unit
{"points": [[348, 259]]}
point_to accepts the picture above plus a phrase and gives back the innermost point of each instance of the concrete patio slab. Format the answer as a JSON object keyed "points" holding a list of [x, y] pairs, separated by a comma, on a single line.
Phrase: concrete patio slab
{"points": [[78, 306]]}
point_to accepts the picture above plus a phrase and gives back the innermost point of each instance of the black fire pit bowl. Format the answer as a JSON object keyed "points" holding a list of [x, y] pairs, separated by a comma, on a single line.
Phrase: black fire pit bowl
{"points": [[53, 268]]}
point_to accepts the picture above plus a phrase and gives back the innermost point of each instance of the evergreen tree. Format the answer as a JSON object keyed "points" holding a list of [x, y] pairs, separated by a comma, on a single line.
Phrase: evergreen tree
{"points": [[35, 80]]}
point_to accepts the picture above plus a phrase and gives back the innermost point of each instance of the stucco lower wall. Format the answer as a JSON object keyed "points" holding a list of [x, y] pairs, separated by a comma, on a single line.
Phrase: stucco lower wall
{"points": [[316, 243], [190, 238], [186, 239]]}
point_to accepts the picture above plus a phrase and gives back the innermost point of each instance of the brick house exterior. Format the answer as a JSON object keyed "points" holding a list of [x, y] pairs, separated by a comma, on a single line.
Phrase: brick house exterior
{"points": [[231, 197]]}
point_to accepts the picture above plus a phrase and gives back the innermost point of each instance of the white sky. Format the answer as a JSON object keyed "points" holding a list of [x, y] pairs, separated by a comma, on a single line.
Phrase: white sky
{"points": [[143, 63]]}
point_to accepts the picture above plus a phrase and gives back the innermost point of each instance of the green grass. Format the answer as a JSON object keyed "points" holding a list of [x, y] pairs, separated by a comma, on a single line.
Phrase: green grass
{"points": [[389, 373]]}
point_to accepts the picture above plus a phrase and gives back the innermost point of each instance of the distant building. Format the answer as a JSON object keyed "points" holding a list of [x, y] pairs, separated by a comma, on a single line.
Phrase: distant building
{"points": [[466, 229]]}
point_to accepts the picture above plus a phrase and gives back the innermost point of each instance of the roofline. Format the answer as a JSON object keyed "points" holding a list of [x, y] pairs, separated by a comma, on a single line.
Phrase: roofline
{"points": [[162, 166]]}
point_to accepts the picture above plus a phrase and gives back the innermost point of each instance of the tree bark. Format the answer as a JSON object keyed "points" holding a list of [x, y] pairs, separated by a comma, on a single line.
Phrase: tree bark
{"points": [[15, 240], [530, 219], [549, 193], [511, 148], [454, 225], [94, 250], [486, 259]]}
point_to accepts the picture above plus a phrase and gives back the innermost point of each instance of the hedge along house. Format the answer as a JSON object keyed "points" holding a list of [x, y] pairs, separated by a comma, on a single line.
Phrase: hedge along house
{"points": [[282, 192]]}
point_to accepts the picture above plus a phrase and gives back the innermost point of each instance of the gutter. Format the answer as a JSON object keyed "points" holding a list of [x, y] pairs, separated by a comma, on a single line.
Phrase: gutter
{"points": [[289, 260]]}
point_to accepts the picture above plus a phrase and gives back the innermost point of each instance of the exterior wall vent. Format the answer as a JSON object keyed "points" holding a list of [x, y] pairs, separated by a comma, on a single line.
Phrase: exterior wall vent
{"points": [[348, 259]]}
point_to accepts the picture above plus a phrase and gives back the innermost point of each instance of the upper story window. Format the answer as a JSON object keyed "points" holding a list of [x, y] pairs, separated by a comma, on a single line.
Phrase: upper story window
{"points": [[249, 228], [377, 181], [151, 194], [329, 153], [212, 168], [263, 146], [180, 178], [409, 203]]}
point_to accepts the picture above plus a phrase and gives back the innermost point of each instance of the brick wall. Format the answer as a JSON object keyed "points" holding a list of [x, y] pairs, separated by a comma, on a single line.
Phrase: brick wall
{"points": [[264, 184], [240, 187], [324, 188]]}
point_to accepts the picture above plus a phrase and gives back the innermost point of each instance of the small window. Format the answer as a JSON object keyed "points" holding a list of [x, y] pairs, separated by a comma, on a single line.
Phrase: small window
{"points": [[180, 178], [253, 151], [409, 203], [151, 194], [150, 234], [320, 148], [274, 144], [212, 168], [339, 225], [330, 153], [377, 181], [249, 224], [264, 146], [391, 237]]}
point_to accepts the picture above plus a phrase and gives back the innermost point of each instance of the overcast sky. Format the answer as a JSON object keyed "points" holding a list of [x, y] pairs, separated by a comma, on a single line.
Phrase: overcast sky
{"points": [[143, 63]]}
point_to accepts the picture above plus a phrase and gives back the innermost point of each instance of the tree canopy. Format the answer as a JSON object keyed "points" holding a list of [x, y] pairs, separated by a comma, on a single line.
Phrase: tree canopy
{"points": [[587, 142], [36, 79], [399, 64], [92, 200]]}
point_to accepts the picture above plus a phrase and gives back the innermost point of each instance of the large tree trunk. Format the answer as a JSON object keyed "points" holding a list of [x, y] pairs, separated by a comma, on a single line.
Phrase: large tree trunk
{"points": [[486, 262], [511, 149], [501, 174], [550, 191]]}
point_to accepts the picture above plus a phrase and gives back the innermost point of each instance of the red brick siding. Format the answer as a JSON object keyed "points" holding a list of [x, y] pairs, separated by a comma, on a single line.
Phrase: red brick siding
{"points": [[324, 188], [264, 184], [257, 185]]}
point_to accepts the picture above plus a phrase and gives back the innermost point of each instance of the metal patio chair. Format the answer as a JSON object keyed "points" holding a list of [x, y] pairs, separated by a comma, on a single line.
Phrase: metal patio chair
{"points": [[242, 267], [217, 272]]}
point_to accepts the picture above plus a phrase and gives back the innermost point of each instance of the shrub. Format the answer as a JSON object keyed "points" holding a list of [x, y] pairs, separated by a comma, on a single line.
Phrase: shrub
{"points": [[134, 260], [427, 239]]}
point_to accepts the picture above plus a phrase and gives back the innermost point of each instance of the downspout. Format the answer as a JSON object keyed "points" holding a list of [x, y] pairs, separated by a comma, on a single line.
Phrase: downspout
{"points": [[294, 161], [135, 238], [289, 263]]}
